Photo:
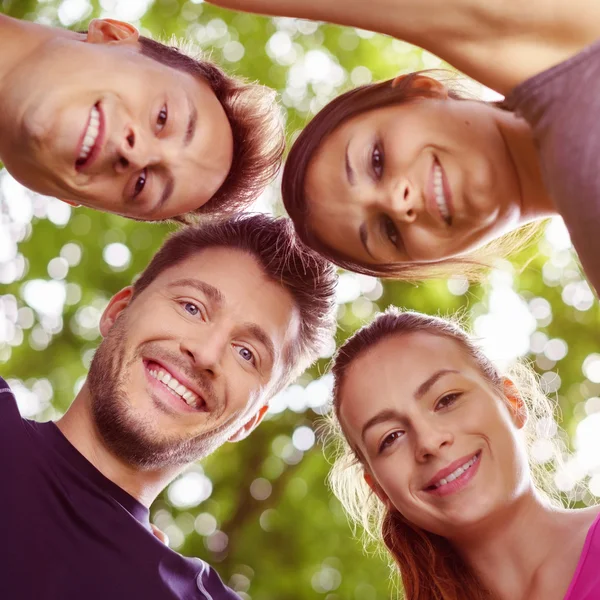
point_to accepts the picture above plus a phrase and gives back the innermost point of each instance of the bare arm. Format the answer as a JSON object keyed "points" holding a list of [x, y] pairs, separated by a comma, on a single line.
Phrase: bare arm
{"points": [[498, 42]]}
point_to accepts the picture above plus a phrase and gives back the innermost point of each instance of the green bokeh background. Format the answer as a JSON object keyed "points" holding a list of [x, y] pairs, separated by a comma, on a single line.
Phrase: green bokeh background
{"points": [[283, 536]]}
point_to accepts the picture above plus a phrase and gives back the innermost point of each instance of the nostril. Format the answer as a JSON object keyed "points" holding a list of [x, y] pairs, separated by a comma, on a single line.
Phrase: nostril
{"points": [[131, 140], [123, 162], [406, 192], [410, 212]]}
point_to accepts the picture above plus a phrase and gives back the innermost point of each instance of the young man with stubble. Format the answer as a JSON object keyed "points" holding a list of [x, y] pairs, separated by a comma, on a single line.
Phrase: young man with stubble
{"points": [[224, 316], [122, 123]]}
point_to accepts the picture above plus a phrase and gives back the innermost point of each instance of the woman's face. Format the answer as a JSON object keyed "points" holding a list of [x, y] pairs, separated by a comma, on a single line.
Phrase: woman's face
{"points": [[419, 181], [439, 443]]}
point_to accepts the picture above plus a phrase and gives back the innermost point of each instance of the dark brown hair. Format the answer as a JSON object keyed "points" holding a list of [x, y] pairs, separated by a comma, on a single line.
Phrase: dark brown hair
{"points": [[357, 101], [430, 567], [309, 278], [256, 124]]}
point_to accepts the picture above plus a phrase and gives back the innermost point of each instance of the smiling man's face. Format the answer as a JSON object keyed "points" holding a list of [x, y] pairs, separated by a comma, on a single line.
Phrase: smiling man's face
{"points": [[99, 124], [190, 362]]}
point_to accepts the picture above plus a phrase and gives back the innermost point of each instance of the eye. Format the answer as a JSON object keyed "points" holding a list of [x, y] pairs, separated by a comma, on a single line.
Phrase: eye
{"points": [[140, 183], [246, 354], [191, 308], [390, 230], [377, 161], [448, 400], [161, 119], [389, 439]]}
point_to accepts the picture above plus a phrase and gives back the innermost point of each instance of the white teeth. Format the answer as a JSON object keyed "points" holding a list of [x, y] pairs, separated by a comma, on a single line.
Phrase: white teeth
{"points": [[176, 387], [456, 473], [91, 134], [440, 197]]}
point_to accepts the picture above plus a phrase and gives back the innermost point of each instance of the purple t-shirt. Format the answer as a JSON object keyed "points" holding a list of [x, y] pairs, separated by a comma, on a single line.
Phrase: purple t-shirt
{"points": [[69, 533], [562, 105], [585, 584]]}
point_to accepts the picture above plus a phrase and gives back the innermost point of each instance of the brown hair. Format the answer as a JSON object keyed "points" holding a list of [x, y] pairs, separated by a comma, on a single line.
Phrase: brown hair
{"points": [[309, 278], [430, 568], [256, 125], [400, 90]]}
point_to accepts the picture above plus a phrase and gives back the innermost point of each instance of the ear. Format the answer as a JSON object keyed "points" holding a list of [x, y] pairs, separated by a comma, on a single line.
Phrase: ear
{"points": [[516, 405], [376, 489], [250, 426], [70, 202], [425, 84], [110, 31], [115, 307]]}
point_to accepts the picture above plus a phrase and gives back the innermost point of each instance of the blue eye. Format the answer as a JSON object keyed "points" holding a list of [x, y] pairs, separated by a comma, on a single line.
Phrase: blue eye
{"points": [[246, 354], [191, 308]]}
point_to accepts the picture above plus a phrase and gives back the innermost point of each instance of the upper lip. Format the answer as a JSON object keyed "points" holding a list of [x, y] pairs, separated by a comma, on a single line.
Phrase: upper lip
{"points": [[443, 473], [97, 147], [180, 377]]}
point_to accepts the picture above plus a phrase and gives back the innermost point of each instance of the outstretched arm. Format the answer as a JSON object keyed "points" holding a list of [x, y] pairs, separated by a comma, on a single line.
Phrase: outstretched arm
{"points": [[498, 42]]}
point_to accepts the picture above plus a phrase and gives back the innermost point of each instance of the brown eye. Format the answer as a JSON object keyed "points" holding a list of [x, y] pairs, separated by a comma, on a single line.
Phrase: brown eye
{"points": [[389, 440], [390, 230], [448, 400], [161, 119], [140, 184], [377, 161]]}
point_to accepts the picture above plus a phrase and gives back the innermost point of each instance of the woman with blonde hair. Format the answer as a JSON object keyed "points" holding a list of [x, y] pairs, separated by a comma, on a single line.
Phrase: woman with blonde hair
{"points": [[434, 462], [404, 178]]}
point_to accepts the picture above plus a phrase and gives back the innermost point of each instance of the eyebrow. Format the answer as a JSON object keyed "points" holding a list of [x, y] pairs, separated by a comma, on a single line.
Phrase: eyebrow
{"points": [[191, 126], [210, 291], [349, 170], [362, 232], [389, 414]]}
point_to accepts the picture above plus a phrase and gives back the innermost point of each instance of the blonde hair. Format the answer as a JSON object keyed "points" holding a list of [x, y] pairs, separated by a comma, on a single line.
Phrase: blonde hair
{"points": [[429, 566]]}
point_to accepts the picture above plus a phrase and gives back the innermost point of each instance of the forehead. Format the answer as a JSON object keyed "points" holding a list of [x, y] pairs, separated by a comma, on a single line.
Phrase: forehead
{"points": [[389, 373], [247, 294]]}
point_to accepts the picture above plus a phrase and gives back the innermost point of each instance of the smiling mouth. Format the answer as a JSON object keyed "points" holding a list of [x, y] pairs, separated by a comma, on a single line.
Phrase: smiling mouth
{"points": [[440, 194], [89, 145], [458, 472], [175, 387]]}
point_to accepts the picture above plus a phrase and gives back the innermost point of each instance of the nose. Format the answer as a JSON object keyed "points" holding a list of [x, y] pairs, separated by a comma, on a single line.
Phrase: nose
{"points": [[400, 200], [206, 353], [135, 151], [430, 439]]}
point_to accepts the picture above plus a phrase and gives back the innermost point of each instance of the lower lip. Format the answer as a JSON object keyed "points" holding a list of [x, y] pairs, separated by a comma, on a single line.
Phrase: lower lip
{"points": [[459, 483], [91, 157], [166, 396]]}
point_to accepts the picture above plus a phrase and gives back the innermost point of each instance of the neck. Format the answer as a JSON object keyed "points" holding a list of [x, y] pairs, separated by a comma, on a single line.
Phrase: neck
{"points": [[535, 202], [508, 552], [78, 426]]}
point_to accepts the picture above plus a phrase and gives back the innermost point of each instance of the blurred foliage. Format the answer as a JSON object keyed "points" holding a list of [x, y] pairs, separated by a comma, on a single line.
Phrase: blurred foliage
{"points": [[269, 525]]}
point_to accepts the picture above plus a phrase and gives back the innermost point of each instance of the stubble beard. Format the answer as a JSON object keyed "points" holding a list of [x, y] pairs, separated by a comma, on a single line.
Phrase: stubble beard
{"points": [[132, 438]]}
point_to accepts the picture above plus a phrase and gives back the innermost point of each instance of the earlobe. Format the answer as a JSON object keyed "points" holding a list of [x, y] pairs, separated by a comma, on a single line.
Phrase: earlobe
{"points": [[115, 307], [244, 431], [425, 84], [516, 404], [110, 31]]}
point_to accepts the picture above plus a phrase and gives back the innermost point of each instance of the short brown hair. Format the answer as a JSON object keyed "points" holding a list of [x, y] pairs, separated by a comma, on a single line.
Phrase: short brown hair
{"points": [[357, 101], [256, 125], [310, 279]]}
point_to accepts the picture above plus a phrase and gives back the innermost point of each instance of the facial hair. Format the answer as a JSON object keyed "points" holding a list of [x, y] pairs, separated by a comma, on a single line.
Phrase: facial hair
{"points": [[131, 437]]}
